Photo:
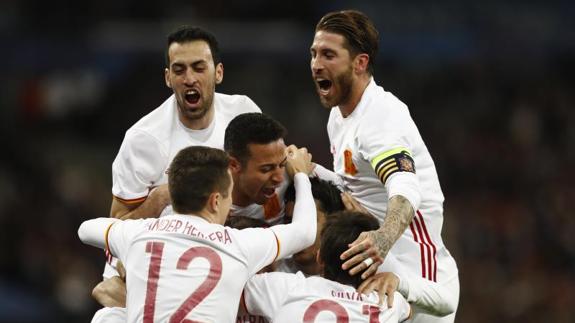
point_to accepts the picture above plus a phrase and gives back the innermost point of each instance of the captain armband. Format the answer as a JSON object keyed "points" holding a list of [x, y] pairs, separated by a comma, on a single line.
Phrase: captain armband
{"points": [[393, 161]]}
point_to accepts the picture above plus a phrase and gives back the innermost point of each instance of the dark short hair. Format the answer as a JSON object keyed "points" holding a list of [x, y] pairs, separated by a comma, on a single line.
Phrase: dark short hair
{"points": [[194, 174], [243, 222], [341, 229], [328, 195], [251, 128], [358, 30], [185, 34]]}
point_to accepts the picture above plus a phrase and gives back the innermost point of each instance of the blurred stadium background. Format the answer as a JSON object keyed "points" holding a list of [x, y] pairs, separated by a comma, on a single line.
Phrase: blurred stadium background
{"points": [[491, 85]]}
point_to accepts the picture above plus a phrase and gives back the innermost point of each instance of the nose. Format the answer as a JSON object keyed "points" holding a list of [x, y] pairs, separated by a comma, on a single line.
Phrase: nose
{"points": [[278, 176], [190, 78], [315, 65]]}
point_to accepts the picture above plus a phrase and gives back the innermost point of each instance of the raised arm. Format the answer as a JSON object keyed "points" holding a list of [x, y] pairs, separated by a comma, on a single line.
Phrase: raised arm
{"points": [[301, 232], [396, 170], [94, 232]]}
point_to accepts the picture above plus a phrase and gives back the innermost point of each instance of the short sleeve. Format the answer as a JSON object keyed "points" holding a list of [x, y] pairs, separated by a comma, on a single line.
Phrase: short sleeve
{"points": [[120, 235], [138, 165], [265, 293], [110, 315], [384, 140], [250, 105], [260, 246]]}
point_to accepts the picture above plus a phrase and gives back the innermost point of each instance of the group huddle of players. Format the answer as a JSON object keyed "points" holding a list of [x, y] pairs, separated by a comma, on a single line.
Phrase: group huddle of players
{"points": [[215, 219]]}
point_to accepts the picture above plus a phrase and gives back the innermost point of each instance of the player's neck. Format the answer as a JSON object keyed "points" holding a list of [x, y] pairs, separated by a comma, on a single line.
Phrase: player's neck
{"points": [[208, 216], [358, 88], [311, 269], [198, 124], [240, 199]]}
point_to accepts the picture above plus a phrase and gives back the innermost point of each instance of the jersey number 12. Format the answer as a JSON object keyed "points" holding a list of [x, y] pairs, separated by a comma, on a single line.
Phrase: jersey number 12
{"points": [[156, 249]]}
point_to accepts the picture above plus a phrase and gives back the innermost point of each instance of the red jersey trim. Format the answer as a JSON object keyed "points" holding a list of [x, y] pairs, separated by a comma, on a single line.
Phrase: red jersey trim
{"points": [[108, 252], [278, 247], [131, 201]]}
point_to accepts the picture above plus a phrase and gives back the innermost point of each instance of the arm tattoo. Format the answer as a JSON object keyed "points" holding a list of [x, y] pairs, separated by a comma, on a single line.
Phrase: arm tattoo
{"points": [[398, 217]]}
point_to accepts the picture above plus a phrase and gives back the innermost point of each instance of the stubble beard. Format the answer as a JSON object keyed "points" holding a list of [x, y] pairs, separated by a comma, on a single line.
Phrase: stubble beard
{"points": [[344, 84], [200, 113]]}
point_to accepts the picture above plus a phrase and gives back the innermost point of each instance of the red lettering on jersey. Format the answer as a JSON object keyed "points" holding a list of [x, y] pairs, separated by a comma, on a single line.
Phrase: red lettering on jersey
{"points": [[188, 228], [207, 285], [348, 163], [325, 305], [156, 249], [373, 312], [347, 295], [163, 224], [154, 225], [272, 207], [227, 238], [215, 272]]}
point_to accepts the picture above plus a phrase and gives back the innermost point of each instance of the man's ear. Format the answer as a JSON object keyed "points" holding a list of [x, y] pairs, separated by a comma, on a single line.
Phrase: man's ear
{"points": [[219, 73], [167, 78], [235, 165], [318, 259], [360, 63], [213, 203]]}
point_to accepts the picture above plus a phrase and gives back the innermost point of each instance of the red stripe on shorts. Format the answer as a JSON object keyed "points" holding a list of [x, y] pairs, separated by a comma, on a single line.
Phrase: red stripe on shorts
{"points": [[434, 259], [411, 226]]}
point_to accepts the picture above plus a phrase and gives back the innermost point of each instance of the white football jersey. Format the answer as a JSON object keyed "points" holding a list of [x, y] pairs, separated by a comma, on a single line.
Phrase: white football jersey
{"points": [[380, 129], [377, 144], [283, 297], [181, 266], [245, 317], [151, 143], [273, 211], [110, 315]]}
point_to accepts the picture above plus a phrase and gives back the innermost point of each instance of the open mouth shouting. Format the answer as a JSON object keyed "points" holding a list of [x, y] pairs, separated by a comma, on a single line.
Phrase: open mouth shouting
{"points": [[323, 86], [268, 192], [192, 97]]}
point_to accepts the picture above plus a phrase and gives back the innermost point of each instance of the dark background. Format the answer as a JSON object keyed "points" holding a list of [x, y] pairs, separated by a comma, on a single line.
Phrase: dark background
{"points": [[490, 85]]}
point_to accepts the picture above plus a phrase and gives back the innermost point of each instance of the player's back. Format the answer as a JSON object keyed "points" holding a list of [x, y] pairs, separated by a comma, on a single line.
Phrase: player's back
{"points": [[294, 298], [182, 267]]}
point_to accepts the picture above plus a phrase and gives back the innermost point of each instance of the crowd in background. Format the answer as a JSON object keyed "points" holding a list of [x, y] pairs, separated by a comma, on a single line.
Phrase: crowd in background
{"points": [[491, 88]]}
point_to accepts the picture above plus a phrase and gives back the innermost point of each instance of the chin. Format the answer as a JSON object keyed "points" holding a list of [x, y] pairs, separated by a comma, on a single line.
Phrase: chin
{"points": [[261, 200], [326, 103]]}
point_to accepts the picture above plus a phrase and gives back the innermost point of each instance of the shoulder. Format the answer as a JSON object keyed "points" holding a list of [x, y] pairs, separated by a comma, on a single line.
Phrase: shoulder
{"points": [[234, 104], [334, 115], [384, 103], [141, 140], [157, 123], [277, 277], [384, 113]]}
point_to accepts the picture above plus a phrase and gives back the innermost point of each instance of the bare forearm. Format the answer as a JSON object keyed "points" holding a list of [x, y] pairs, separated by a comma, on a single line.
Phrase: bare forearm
{"points": [[399, 215], [151, 208]]}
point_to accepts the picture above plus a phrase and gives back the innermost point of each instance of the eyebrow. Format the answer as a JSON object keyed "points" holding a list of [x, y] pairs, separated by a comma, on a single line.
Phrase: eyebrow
{"points": [[267, 165], [194, 63]]}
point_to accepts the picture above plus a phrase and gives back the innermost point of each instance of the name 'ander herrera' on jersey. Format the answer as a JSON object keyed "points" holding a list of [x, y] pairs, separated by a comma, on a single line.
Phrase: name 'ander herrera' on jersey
{"points": [[185, 227]]}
